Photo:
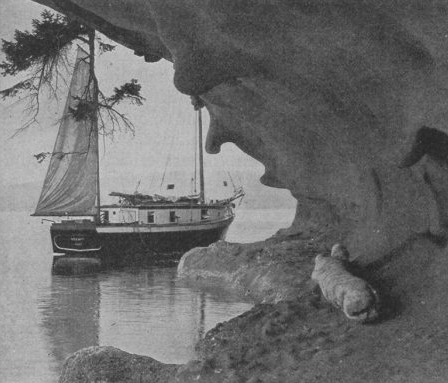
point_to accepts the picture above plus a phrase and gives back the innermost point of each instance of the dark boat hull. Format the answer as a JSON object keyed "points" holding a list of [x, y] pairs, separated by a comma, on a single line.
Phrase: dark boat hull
{"points": [[125, 244]]}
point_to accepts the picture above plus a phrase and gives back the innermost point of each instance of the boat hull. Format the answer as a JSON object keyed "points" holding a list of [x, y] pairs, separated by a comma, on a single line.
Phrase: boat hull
{"points": [[125, 244]]}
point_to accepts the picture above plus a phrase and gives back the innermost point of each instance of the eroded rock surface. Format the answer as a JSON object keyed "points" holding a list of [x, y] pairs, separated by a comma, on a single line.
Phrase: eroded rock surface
{"points": [[109, 365], [265, 272], [308, 340]]}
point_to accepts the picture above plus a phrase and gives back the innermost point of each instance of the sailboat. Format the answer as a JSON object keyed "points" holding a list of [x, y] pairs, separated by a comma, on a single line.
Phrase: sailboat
{"points": [[152, 226]]}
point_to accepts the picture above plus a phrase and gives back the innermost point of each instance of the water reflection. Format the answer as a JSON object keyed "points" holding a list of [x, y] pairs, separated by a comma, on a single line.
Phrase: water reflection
{"points": [[149, 312], [201, 326], [143, 311], [70, 315], [45, 318]]}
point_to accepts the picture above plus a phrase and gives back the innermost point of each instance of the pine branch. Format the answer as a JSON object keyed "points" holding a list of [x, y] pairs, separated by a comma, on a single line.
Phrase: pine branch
{"points": [[48, 38], [43, 53], [129, 91]]}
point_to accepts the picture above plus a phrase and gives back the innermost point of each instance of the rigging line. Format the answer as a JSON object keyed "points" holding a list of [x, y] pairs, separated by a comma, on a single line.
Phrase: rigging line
{"points": [[164, 139], [138, 185], [226, 172], [223, 167], [178, 152], [239, 179], [231, 180], [103, 138], [178, 158], [151, 182], [168, 159]]}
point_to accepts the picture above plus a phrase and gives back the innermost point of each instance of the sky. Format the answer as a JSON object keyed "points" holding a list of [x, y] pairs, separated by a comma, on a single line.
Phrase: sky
{"points": [[165, 114]]}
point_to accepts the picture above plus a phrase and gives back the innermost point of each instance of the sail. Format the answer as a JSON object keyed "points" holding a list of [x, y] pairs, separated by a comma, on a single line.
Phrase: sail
{"points": [[70, 186]]}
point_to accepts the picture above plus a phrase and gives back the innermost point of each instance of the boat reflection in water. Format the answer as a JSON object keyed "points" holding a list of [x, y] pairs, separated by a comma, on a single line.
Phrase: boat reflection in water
{"points": [[143, 311], [70, 316]]}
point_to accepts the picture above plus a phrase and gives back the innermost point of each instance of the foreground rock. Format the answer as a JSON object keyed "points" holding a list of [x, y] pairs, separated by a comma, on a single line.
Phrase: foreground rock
{"points": [[109, 364], [265, 272], [307, 340]]}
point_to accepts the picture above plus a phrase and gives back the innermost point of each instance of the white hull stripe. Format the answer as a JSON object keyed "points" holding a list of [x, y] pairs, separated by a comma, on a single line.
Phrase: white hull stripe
{"points": [[160, 229], [76, 250]]}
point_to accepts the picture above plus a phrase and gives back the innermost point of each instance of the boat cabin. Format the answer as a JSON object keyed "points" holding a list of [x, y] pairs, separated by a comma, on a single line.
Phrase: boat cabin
{"points": [[163, 214]]}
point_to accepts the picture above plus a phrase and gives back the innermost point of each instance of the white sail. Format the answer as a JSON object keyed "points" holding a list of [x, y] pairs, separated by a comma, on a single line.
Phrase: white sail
{"points": [[70, 186]]}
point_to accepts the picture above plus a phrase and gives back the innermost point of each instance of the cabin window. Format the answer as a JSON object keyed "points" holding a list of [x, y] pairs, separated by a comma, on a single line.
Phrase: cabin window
{"points": [[114, 212], [173, 216], [204, 214], [150, 217]]}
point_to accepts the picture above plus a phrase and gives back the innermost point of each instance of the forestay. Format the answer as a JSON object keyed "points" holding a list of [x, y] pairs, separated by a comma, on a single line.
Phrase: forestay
{"points": [[71, 181]]}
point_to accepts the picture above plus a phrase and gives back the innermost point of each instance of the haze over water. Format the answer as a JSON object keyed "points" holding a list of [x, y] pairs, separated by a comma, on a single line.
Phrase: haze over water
{"points": [[147, 311]]}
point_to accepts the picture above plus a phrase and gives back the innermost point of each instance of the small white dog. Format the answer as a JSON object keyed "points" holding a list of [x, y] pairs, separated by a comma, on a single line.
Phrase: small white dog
{"points": [[357, 299]]}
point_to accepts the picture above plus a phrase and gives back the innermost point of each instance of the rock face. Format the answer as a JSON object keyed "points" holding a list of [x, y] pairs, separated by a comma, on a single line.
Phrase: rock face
{"points": [[265, 272], [307, 340], [109, 364], [328, 95]]}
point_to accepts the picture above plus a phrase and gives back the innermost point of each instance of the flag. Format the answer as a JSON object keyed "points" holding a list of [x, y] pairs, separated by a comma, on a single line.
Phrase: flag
{"points": [[170, 186]]}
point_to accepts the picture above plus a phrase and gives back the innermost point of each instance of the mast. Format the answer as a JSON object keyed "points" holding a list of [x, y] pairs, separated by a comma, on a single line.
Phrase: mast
{"points": [[94, 117], [201, 160]]}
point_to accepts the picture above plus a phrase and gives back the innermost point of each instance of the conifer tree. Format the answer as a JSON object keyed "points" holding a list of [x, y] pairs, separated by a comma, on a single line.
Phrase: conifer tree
{"points": [[42, 56]]}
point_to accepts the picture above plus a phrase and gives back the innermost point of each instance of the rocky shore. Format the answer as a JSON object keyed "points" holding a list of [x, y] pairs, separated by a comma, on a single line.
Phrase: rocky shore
{"points": [[265, 272], [292, 334]]}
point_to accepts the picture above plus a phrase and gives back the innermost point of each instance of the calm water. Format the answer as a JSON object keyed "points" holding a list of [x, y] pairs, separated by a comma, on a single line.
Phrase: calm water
{"points": [[45, 318]]}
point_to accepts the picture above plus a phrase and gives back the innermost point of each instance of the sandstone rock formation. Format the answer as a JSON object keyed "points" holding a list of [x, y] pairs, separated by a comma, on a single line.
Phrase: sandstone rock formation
{"points": [[264, 272], [109, 364], [328, 95], [308, 341]]}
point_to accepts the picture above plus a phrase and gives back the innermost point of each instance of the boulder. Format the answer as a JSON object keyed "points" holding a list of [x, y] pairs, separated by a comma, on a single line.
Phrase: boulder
{"points": [[264, 272], [111, 365]]}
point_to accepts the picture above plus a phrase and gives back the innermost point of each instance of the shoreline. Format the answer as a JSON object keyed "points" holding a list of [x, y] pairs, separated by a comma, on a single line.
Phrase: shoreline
{"points": [[292, 335]]}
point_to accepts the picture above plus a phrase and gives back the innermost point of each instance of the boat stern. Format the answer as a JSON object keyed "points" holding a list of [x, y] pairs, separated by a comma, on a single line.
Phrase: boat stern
{"points": [[75, 237]]}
